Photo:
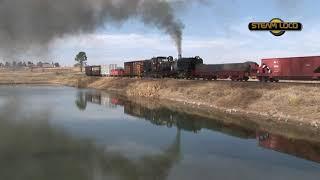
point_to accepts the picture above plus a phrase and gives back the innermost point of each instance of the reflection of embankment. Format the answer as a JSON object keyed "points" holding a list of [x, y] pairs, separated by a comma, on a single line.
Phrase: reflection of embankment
{"points": [[31, 148], [164, 116]]}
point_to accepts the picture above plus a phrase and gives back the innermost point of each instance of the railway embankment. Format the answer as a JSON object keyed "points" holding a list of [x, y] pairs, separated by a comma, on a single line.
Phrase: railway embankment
{"points": [[285, 103]]}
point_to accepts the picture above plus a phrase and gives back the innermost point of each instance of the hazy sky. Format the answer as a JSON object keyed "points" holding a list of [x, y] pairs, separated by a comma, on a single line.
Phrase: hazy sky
{"points": [[217, 31]]}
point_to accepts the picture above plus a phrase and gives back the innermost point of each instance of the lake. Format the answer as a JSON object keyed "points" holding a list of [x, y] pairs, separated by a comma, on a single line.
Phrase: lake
{"points": [[50, 132]]}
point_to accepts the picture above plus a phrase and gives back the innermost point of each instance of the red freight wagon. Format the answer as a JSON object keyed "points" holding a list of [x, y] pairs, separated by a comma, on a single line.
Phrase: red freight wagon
{"points": [[293, 68], [117, 72]]}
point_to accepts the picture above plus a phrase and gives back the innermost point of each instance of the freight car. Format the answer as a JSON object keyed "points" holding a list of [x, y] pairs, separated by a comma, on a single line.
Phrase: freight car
{"points": [[234, 71], [106, 69], [93, 70], [134, 68], [117, 72], [293, 68]]}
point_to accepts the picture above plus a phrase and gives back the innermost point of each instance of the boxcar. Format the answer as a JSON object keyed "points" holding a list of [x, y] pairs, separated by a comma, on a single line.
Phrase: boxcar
{"points": [[105, 71], [128, 68], [138, 68], [88, 70], [234, 71], [134, 68], [93, 70], [292, 68]]}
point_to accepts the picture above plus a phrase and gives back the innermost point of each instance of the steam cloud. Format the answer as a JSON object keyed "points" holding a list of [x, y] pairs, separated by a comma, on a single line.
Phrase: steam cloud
{"points": [[25, 24]]}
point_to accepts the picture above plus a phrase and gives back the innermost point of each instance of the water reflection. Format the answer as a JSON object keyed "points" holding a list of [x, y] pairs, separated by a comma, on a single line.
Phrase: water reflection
{"points": [[298, 148], [164, 116], [81, 101], [32, 148]]}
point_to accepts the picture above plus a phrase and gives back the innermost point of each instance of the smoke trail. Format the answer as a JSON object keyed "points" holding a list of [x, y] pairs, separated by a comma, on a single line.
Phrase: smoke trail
{"points": [[32, 24], [161, 15]]}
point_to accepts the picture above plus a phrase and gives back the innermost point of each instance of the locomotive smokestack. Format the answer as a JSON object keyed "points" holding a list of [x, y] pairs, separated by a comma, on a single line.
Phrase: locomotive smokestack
{"points": [[179, 56]]}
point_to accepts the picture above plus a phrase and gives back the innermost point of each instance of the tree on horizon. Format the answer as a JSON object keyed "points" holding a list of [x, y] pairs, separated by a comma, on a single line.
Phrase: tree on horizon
{"points": [[81, 58]]}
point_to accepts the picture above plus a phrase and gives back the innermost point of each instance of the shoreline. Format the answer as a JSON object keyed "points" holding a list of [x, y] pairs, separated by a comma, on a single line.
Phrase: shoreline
{"points": [[233, 98], [252, 123]]}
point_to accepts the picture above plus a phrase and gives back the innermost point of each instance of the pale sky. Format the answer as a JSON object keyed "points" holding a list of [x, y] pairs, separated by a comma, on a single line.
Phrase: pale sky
{"points": [[217, 31]]}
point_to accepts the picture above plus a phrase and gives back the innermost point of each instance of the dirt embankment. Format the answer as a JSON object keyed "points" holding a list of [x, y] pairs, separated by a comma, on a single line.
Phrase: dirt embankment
{"points": [[283, 102]]}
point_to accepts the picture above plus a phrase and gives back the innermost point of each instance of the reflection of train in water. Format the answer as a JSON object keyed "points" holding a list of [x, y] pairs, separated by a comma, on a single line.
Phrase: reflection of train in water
{"points": [[162, 116], [298, 148]]}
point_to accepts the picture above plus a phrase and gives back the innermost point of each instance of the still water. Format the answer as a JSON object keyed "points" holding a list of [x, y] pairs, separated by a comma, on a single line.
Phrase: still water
{"points": [[66, 133]]}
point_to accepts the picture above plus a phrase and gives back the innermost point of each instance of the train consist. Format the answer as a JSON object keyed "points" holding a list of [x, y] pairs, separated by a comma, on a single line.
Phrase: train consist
{"points": [[273, 70], [103, 70]]}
